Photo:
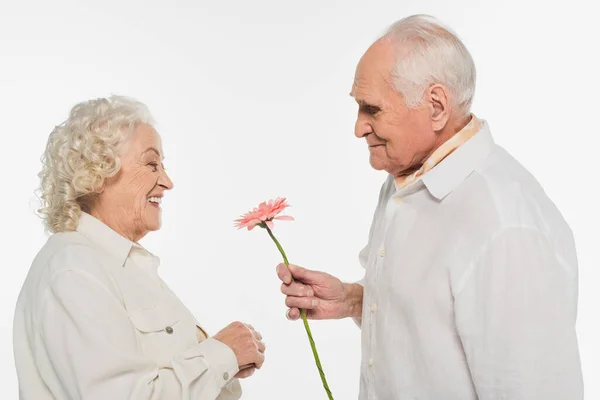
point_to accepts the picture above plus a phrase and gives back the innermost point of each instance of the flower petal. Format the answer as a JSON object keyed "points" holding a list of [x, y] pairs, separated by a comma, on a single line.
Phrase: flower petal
{"points": [[285, 218], [265, 213]]}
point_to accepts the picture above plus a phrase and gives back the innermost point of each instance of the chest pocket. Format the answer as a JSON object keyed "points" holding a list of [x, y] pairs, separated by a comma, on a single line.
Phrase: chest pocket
{"points": [[164, 331]]}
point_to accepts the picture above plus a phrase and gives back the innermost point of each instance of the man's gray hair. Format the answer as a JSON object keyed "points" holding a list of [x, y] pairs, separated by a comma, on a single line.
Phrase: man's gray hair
{"points": [[429, 53]]}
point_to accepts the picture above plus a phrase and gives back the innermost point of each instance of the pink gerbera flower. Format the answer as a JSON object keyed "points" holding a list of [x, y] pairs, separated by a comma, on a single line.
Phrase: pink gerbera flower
{"points": [[264, 214]]}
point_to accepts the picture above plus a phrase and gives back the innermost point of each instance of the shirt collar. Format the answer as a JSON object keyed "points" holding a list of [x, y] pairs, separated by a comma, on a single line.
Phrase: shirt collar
{"points": [[457, 140], [106, 238], [455, 168]]}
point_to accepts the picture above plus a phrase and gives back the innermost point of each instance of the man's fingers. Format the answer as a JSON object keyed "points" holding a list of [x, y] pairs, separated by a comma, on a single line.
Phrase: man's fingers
{"points": [[299, 292], [296, 289], [301, 302], [284, 274], [292, 314], [306, 275], [301, 274]]}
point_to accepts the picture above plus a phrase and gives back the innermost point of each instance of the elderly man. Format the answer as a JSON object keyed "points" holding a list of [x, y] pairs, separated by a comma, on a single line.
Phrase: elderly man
{"points": [[470, 289]]}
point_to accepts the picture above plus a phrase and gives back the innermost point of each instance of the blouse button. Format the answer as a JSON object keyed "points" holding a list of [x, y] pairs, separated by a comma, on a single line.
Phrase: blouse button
{"points": [[169, 330]]}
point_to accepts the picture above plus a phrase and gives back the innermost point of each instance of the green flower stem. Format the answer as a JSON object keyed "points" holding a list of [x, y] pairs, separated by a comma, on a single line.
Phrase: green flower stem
{"points": [[305, 320]]}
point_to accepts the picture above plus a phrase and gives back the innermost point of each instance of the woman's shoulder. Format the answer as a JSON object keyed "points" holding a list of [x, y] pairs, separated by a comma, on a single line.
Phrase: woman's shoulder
{"points": [[62, 253], [67, 247], [66, 251]]}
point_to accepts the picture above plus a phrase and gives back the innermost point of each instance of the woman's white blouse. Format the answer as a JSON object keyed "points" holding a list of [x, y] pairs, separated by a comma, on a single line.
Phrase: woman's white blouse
{"points": [[95, 321]]}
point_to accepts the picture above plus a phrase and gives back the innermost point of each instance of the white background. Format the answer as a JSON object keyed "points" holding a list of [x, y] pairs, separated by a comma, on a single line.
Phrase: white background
{"points": [[252, 102]]}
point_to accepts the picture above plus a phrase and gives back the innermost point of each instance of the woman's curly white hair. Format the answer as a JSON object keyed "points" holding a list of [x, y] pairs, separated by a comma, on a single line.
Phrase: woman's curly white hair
{"points": [[81, 154]]}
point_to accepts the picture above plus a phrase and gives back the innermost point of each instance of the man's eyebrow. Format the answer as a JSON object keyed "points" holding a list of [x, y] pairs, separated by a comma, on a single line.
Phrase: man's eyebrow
{"points": [[364, 103]]}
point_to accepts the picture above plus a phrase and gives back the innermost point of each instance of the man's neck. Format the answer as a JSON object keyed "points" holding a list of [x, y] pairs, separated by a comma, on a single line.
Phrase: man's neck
{"points": [[452, 128]]}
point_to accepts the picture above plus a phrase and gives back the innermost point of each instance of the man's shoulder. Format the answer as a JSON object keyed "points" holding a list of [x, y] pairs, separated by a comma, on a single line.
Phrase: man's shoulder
{"points": [[502, 168], [514, 194], [501, 196]]}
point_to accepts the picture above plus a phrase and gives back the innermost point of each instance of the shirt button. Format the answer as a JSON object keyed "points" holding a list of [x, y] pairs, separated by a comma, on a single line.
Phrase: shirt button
{"points": [[370, 362], [169, 330], [226, 376], [373, 307], [381, 252], [398, 200]]}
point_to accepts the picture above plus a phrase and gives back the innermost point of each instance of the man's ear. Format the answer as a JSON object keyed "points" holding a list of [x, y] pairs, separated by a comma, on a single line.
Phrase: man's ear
{"points": [[438, 98]]}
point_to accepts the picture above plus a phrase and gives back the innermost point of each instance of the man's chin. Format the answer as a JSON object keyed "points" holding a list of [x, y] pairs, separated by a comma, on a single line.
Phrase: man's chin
{"points": [[376, 164]]}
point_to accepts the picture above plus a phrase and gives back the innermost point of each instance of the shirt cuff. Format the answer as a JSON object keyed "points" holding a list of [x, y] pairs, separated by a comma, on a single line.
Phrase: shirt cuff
{"points": [[221, 359], [232, 391], [212, 360]]}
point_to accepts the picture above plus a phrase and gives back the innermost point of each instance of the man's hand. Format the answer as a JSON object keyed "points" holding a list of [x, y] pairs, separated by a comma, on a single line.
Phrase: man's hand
{"points": [[247, 346], [322, 295]]}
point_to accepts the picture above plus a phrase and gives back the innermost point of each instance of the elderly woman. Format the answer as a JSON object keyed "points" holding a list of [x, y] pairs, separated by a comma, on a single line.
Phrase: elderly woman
{"points": [[94, 320]]}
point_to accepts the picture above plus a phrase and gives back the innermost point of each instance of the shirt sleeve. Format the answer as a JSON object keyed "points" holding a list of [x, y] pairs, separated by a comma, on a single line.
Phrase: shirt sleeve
{"points": [[89, 339], [515, 314]]}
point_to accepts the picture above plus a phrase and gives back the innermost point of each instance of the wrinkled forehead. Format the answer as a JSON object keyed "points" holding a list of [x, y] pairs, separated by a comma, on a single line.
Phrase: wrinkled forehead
{"points": [[144, 137], [373, 71]]}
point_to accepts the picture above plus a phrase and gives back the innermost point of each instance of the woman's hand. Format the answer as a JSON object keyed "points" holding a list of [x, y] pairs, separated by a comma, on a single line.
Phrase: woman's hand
{"points": [[247, 346]]}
